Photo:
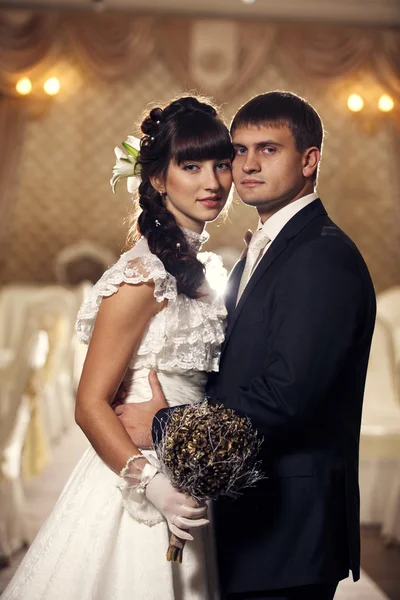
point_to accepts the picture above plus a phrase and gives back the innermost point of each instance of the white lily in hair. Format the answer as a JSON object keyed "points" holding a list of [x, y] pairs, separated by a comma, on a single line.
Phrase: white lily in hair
{"points": [[125, 166]]}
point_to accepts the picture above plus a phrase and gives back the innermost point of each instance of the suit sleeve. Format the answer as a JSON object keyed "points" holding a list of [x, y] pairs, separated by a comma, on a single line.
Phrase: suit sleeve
{"points": [[318, 313], [160, 422]]}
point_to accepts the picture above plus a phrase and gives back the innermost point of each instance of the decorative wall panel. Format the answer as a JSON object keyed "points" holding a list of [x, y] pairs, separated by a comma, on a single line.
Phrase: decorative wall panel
{"points": [[63, 193]]}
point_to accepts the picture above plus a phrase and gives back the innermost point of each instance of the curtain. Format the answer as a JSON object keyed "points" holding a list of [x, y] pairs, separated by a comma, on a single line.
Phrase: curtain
{"points": [[215, 57], [111, 45], [12, 124]]}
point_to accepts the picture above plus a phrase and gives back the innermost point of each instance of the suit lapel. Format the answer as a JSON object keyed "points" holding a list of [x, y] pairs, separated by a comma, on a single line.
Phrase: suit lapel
{"points": [[276, 248], [233, 285], [291, 229]]}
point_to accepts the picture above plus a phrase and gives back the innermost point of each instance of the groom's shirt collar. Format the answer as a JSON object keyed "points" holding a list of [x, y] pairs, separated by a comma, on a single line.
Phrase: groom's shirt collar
{"points": [[278, 221]]}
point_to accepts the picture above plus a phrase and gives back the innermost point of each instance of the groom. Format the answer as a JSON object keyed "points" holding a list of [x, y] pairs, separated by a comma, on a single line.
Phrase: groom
{"points": [[301, 311]]}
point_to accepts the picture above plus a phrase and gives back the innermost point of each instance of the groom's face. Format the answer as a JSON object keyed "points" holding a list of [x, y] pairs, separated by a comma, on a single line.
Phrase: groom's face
{"points": [[267, 168]]}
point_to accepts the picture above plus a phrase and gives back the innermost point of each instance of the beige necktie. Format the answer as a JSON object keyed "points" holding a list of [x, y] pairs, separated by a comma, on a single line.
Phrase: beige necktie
{"points": [[257, 243]]}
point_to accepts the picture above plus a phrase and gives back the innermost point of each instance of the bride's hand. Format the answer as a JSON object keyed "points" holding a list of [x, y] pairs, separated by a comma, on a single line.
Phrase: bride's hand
{"points": [[137, 417], [180, 510]]}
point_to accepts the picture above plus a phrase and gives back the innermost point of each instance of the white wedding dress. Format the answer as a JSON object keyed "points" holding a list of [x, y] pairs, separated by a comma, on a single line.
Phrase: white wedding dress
{"points": [[91, 547]]}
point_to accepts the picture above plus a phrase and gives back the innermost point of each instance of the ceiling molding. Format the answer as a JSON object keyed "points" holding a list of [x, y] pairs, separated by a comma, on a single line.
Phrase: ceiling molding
{"points": [[355, 12]]}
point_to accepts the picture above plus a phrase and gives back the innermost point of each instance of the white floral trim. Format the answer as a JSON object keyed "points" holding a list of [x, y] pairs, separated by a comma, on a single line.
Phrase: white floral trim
{"points": [[196, 240], [128, 269], [135, 501], [142, 511], [121, 480], [134, 498], [187, 334]]}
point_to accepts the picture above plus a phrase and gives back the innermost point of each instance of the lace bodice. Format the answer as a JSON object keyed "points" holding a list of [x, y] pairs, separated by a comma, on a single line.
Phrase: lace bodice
{"points": [[185, 335]]}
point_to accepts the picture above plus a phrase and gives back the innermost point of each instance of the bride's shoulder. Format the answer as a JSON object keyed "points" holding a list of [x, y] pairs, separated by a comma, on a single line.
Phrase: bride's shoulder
{"points": [[139, 259], [137, 265]]}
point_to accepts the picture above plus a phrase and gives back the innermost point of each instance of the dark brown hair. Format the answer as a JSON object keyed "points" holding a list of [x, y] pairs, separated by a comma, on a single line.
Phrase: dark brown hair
{"points": [[186, 129], [283, 108]]}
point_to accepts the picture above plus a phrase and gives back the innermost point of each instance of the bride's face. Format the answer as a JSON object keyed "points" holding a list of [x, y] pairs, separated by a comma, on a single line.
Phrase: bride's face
{"points": [[197, 191]]}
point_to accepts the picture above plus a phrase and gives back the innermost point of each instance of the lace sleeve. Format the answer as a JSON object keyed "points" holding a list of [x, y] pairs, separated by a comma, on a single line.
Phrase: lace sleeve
{"points": [[133, 267]]}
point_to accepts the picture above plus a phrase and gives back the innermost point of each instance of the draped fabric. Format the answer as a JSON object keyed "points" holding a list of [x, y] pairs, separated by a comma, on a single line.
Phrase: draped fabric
{"points": [[36, 451], [387, 61], [113, 45], [12, 122], [109, 45], [216, 57], [327, 52], [28, 43]]}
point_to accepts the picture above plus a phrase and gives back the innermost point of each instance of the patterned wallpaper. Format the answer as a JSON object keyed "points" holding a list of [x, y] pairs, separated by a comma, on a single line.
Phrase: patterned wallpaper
{"points": [[63, 195]]}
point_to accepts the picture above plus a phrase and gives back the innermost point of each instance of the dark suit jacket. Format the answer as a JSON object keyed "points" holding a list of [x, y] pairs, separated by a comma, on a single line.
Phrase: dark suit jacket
{"points": [[294, 360]]}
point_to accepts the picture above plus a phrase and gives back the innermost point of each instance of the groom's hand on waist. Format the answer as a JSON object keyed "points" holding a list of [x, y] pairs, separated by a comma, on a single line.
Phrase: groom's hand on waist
{"points": [[137, 417]]}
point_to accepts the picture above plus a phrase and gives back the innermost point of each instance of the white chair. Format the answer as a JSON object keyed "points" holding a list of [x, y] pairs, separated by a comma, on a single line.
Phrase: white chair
{"points": [[81, 292], [14, 302], [388, 311], [82, 261], [36, 398], [15, 417], [56, 300], [380, 433], [55, 310]]}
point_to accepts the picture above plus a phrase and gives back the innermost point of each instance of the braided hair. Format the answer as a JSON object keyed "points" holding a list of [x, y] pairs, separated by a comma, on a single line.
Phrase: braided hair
{"points": [[186, 129]]}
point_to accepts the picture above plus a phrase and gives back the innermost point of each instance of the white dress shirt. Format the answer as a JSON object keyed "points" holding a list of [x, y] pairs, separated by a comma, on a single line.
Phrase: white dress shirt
{"points": [[277, 222], [272, 228]]}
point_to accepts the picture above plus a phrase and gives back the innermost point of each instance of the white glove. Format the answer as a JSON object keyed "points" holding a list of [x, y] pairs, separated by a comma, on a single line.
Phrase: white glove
{"points": [[180, 511]]}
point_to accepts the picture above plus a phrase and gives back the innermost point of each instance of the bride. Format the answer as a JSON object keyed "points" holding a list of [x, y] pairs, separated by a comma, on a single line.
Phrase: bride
{"points": [[154, 309]]}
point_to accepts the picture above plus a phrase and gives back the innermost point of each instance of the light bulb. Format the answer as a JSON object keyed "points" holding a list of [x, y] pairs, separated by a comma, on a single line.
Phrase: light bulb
{"points": [[24, 86], [355, 102], [52, 86], [385, 103]]}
